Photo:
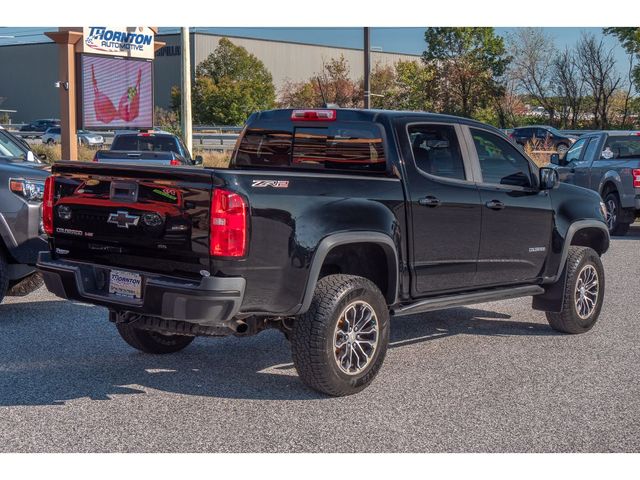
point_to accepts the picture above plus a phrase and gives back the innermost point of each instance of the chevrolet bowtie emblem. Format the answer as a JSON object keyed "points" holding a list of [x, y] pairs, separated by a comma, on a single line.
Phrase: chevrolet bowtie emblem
{"points": [[123, 220]]}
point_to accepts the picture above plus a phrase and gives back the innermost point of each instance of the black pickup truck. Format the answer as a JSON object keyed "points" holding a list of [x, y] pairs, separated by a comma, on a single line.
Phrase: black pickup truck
{"points": [[328, 223]]}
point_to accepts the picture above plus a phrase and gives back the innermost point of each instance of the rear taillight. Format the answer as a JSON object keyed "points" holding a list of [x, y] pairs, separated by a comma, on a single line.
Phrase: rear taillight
{"points": [[314, 115], [47, 206], [636, 177], [174, 162], [228, 224]]}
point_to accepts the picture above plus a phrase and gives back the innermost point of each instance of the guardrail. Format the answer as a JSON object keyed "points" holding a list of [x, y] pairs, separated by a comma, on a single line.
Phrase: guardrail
{"points": [[216, 142]]}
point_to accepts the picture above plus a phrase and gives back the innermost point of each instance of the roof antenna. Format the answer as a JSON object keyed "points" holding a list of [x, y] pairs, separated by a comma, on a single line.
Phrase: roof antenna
{"points": [[324, 100]]}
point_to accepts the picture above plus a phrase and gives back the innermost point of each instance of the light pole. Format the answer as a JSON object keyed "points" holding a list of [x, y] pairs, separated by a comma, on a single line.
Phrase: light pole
{"points": [[187, 133], [367, 68]]}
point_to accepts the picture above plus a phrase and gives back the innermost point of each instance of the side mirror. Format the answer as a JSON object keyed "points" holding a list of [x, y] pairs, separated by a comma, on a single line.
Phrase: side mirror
{"points": [[549, 178], [555, 159], [197, 160], [42, 156]]}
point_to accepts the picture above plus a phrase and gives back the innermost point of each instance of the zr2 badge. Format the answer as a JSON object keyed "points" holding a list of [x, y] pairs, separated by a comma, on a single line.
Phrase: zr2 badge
{"points": [[270, 183]]}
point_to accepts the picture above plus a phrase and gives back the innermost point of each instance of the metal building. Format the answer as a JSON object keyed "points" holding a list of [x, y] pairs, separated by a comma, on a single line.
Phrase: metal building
{"points": [[30, 70]]}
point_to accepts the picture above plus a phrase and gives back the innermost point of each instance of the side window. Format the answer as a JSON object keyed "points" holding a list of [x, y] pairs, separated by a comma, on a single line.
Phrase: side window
{"points": [[436, 150], [500, 162], [183, 149], [573, 154], [590, 152], [542, 134]]}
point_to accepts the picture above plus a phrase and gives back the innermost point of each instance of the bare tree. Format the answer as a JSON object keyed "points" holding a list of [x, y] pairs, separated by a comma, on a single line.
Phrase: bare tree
{"points": [[597, 65], [629, 92], [532, 55], [568, 86]]}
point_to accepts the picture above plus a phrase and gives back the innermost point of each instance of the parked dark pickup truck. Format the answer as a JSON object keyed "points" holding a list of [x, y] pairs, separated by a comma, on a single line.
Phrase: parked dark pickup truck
{"points": [[608, 163], [147, 148], [328, 223]]}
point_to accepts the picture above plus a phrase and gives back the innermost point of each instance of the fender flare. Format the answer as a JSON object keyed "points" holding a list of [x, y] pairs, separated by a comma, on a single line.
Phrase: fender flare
{"points": [[336, 239], [551, 300], [571, 231], [611, 176]]}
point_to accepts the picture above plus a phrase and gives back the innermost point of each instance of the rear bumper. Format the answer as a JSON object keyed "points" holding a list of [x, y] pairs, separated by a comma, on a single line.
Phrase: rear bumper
{"points": [[213, 302]]}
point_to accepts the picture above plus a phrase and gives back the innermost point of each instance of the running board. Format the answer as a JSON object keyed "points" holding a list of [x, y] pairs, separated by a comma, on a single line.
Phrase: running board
{"points": [[458, 300]]}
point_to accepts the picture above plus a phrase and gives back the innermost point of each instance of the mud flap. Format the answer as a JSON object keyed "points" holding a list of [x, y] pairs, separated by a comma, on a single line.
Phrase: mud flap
{"points": [[553, 297]]}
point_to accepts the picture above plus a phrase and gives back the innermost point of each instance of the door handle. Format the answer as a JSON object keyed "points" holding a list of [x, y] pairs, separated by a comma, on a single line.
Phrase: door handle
{"points": [[429, 201], [495, 205]]}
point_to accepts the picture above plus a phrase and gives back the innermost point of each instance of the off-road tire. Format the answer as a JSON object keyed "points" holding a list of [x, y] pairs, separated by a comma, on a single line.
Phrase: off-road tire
{"points": [[4, 275], [25, 286], [619, 228], [568, 320], [312, 338], [152, 342]]}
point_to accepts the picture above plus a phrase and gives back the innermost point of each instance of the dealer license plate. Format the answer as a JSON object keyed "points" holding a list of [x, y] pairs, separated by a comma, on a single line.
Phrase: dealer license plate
{"points": [[126, 284]]}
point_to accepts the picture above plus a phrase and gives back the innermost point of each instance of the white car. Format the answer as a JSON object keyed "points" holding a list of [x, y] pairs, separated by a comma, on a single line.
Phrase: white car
{"points": [[85, 137]]}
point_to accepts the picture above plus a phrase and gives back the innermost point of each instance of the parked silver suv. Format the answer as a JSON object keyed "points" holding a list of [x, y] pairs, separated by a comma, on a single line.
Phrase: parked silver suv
{"points": [[22, 178]]}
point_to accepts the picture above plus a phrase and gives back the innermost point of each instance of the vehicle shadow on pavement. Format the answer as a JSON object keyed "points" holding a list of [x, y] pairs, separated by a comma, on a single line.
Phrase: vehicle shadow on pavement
{"points": [[632, 234], [53, 352], [460, 321]]}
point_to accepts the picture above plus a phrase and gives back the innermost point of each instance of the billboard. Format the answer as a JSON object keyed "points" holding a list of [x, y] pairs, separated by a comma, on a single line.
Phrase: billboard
{"points": [[116, 93], [135, 42]]}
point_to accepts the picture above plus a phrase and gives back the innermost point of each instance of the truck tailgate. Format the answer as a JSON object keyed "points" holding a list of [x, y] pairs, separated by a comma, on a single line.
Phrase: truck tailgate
{"points": [[154, 219]]}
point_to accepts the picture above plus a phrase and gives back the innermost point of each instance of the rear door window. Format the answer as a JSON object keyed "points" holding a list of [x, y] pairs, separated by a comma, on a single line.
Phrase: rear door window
{"points": [[436, 150]]}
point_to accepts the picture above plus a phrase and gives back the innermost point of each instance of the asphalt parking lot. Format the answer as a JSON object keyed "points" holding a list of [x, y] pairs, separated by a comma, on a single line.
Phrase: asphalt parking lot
{"points": [[490, 378]]}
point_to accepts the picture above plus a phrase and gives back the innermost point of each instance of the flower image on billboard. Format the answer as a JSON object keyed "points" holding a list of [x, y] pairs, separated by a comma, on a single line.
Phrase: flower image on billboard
{"points": [[116, 93]]}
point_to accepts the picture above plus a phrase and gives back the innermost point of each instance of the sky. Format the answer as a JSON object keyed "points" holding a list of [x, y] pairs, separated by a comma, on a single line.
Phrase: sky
{"points": [[401, 40]]}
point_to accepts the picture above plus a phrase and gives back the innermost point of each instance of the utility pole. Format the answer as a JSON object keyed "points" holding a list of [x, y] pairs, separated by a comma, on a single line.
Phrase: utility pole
{"points": [[367, 68], [187, 133]]}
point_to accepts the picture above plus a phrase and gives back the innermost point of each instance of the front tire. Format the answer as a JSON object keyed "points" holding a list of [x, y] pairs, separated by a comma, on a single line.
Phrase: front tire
{"points": [[614, 213], [152, 342], [339, 344], [583, 292]]}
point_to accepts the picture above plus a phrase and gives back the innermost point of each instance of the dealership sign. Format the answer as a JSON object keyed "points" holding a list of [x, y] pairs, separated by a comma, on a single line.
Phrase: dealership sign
{"points": [[133, 42]]}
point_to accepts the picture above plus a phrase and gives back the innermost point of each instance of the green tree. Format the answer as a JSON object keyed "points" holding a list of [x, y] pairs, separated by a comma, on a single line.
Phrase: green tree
{"points": [[629, 37], [407, 85], [230, 84], [468, 62]]}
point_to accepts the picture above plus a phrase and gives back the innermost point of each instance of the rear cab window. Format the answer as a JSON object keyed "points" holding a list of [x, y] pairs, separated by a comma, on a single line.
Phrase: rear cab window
{"points": [[146, 143], [621, 147], [329, 146]]}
